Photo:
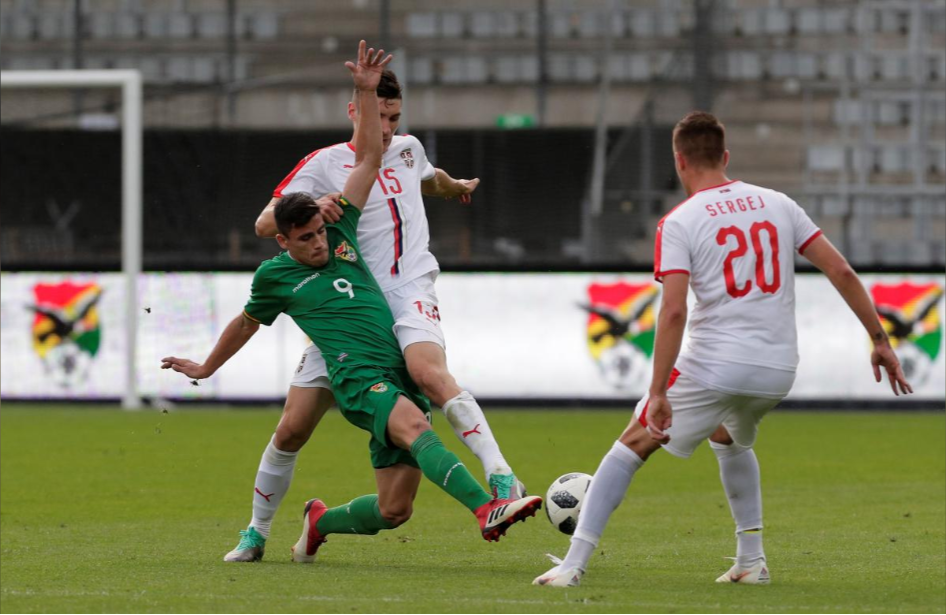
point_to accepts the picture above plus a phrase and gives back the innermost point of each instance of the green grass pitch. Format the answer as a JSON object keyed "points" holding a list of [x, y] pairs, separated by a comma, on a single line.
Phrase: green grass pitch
{"points": [[102, 510]]}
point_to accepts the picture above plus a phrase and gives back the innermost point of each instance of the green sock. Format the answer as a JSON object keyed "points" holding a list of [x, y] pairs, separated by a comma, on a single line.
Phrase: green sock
{"points": [[445, 470], [360, 516]]}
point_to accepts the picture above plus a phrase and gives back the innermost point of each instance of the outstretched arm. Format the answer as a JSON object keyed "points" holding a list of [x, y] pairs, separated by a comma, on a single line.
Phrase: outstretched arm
{"points": [[368, 147], [826, 257], [443, 186], [234, 337]]}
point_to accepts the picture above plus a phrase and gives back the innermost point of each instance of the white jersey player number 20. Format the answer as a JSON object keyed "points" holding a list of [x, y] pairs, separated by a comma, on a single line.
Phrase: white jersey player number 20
{"points": [[740, 249]]}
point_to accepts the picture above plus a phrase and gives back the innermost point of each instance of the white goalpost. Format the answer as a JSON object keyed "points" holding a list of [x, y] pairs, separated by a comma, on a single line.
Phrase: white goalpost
{"points": [[130, 83]]}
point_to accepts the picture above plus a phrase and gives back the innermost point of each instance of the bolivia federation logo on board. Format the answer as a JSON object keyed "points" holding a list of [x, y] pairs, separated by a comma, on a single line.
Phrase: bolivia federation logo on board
{"points": [[346, 252], [66, 330], [621, 327], [910, 315]]}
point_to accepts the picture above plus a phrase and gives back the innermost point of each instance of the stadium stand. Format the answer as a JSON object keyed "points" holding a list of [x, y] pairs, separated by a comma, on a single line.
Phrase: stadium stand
{"points": [[839, 104]]}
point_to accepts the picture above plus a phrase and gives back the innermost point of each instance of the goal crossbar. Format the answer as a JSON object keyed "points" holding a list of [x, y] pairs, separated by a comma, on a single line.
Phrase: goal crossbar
{"points": [[130, 83]]}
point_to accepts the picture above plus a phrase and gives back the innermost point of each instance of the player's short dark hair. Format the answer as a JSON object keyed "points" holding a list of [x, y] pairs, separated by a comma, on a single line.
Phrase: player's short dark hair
{"points": [[388, 89], [701, 138], [294, 210]]}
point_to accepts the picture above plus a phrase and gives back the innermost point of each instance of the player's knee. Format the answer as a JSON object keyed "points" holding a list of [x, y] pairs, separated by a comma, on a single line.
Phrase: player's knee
{"points": [[727, 450], [290, 437], [432, 379], [638, 440], [721, 436], [396, 514]]}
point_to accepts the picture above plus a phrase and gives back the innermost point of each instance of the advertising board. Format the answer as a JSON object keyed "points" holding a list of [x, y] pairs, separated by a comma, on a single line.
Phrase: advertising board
{"points": [[521, 336]]}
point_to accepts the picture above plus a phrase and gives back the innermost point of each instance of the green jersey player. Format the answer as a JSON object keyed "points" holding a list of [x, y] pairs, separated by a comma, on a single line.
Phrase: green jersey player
{"points": [[322, 283]]}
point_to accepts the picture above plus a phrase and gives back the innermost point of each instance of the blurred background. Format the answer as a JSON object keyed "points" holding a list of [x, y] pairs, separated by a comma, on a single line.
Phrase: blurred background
{"points": [[563, 108]]}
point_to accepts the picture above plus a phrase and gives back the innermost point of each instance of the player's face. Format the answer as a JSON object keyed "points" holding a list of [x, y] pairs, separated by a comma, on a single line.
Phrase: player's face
{"points": [[390, 118], [307, 244]]}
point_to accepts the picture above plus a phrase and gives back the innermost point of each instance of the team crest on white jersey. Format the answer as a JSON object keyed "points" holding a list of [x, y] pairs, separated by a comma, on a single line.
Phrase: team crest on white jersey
{"points": [[345, 252], [408, 158]]}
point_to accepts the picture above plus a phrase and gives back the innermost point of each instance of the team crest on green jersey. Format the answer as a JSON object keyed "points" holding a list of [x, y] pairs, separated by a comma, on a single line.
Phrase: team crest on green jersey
{"points": [[345, 252], [381, 387]]}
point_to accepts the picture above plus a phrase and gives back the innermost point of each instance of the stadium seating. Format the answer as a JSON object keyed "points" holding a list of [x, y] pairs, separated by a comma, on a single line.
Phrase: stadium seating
{"points": [[827, 101]]}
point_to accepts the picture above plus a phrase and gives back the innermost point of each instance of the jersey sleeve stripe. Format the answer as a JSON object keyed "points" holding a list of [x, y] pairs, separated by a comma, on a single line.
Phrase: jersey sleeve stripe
{"points": [[659, 275], [807, 243], [277, 193], [247, 315]]}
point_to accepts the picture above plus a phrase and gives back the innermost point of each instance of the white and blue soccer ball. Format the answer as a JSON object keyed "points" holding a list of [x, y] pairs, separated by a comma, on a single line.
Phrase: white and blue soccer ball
{"points": [[564, 498]]}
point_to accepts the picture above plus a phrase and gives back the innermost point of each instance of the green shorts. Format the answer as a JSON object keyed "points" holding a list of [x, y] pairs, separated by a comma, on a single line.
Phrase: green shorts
{"points": [[366, 395]]}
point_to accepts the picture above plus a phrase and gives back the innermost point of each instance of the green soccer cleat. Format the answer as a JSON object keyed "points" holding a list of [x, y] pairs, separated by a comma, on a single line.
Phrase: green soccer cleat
{"points": [[250, 549], [506, 487]]}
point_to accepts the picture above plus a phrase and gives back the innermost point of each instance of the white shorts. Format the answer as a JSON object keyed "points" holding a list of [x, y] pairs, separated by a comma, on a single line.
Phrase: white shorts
{"points": [[698, 412], [416, 319]]}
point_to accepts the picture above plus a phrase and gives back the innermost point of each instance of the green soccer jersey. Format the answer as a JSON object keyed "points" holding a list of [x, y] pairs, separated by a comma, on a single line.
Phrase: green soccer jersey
{"points": [[339, 305]]}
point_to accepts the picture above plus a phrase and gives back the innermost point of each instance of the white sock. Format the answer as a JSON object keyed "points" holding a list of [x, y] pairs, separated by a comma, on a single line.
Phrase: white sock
{"points": [[272, 483], [469, 423], [739, 471], [608, 487]]}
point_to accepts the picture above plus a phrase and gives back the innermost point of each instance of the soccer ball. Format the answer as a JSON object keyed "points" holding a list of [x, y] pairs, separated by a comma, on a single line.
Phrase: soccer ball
{"points": [[563, 500]]}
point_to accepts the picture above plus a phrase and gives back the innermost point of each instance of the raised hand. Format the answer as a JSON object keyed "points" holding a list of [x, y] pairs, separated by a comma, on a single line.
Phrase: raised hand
{"points": [[366, 72]]}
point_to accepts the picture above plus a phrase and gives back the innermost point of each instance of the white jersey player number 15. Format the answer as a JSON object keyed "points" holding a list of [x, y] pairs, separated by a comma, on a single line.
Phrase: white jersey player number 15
{"points": [[393, 233]]}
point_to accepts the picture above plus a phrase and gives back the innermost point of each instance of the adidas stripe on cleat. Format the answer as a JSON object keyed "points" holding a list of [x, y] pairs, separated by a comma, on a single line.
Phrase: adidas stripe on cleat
{"points": [[305, 549], [496, 516]]}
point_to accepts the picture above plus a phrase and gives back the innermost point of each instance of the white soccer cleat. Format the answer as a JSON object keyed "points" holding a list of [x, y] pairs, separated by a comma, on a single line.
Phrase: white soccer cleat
{"points": [[305, 550], [251, 548], [558, 577], [757, 574]]}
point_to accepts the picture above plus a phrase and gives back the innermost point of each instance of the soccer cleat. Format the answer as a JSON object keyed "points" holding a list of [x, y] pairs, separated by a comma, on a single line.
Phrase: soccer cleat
{"points": [[557, 577], [506, 487], [496, 516], [304, 551], [757, 574], [251, 547]]}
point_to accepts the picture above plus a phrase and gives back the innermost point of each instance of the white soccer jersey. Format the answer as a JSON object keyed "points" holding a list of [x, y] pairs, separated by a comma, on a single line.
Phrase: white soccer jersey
{"points": [[393, 234], [737, 242]]}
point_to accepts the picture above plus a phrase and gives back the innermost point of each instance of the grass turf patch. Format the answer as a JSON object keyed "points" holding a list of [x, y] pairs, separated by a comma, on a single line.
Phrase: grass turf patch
{"points": [[102, 510]]}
